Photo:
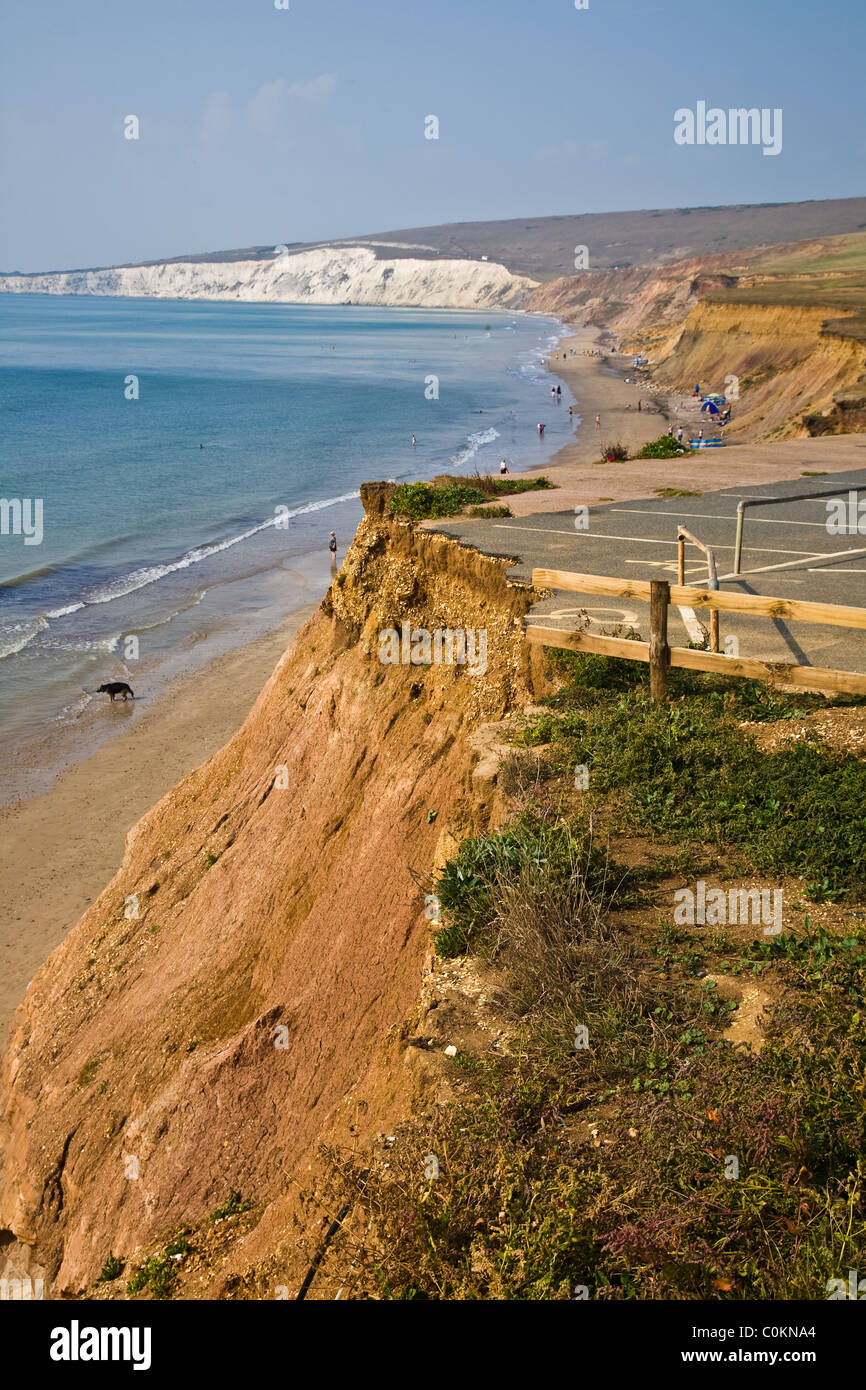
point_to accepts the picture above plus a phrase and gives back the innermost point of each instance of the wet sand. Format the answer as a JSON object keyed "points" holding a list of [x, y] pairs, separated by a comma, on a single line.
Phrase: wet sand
{"points": [[59, 850]]}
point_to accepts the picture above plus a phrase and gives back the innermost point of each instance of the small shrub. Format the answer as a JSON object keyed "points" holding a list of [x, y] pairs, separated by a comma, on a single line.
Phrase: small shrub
{"points": [[493, 487], [520, 772], [88, 1071], [471, 881], [422, 500], [233, 1207], [665, 447], [112, 1269], [157, 1276]]}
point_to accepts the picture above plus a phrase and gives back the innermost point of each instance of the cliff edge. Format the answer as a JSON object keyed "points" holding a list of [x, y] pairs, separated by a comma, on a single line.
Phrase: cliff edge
{"points": [[252, 963]]}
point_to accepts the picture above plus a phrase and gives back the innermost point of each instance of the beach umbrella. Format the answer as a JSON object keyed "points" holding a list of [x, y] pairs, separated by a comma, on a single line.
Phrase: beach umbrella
{"points": [[714, 396]]}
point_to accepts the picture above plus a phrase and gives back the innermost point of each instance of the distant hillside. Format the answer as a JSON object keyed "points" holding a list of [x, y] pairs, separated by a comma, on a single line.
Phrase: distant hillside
{"points": [[542, 248]]}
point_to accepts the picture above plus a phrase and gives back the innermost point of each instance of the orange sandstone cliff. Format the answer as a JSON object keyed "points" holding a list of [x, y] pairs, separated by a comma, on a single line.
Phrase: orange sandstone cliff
{"points": [[275, 895], [789, 348]]}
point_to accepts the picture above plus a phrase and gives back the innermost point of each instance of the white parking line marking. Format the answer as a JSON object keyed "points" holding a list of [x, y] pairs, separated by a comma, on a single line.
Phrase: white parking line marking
{"points": [[644, 540], [715, 516], [789, 564], [692, 626]]}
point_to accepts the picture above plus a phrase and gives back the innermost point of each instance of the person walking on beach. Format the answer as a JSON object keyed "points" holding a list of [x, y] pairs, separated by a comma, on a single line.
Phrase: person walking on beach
{"points": [[332, 546], [639, 404], [558, 394], [598, 422], [503, 468], [571, 412], [680, 435]]}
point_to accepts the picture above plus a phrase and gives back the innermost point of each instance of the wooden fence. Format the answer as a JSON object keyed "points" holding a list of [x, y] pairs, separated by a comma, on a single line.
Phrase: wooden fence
{"points": [[660, 594]]}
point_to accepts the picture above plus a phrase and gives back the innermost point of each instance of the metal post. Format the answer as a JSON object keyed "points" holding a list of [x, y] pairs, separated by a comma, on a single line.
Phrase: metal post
{"points": [[681, 558], [738, 543]]}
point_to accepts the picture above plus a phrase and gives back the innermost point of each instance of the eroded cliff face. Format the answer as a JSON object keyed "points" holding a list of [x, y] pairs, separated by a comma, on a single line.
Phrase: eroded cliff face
{"points": [[633, 298], [344, 275], [253, 961], [778, 358], [798, 369]]}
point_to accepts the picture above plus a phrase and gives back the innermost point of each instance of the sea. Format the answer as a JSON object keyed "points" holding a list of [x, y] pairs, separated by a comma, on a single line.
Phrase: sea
{"points": [[179, 466]]}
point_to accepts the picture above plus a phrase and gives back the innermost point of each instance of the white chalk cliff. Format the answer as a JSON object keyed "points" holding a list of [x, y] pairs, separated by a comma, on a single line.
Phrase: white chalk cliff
{"points": [[324, 275]]}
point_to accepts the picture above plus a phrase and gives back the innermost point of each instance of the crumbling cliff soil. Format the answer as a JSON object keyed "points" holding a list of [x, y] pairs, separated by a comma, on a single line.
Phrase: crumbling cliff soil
{"points": [[775, 344], [239, 992]]}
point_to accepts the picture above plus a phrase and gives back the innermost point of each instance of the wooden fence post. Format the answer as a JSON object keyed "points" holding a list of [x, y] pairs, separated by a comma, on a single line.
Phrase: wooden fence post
{"points": [[659, 651]]}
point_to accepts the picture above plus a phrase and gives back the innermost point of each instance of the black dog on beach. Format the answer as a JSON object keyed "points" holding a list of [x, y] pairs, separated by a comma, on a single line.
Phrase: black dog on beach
{"points": [[113, 688]]}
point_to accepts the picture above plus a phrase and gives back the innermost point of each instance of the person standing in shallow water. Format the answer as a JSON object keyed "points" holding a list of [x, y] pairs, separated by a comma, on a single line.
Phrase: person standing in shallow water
{"points": [[332, 546]]}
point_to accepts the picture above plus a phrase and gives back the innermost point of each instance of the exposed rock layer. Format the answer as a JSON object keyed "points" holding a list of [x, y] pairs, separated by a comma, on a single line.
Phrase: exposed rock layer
{"points": [[789, 368], [343, 275], [146, 1043]]}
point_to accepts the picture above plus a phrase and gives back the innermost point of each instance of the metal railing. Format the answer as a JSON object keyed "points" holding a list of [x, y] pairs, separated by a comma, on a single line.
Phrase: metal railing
{"points": [[773, 502], [684, 535]]}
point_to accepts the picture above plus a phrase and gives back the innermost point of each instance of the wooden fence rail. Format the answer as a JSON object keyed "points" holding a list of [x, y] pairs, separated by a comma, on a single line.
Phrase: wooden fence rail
{"points": [[797, 610], [659, 594]]}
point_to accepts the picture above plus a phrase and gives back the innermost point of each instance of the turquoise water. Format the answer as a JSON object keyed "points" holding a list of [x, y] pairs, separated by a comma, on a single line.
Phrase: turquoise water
{"points": [[160, 494]]}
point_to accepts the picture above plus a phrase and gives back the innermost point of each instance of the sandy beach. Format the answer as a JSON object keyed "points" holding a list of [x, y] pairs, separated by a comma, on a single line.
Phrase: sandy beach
{"points": [[59, 850], [600, 387]]}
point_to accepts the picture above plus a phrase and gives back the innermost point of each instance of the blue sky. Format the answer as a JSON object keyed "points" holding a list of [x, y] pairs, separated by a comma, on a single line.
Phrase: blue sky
{"points": [[261, 125]]}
